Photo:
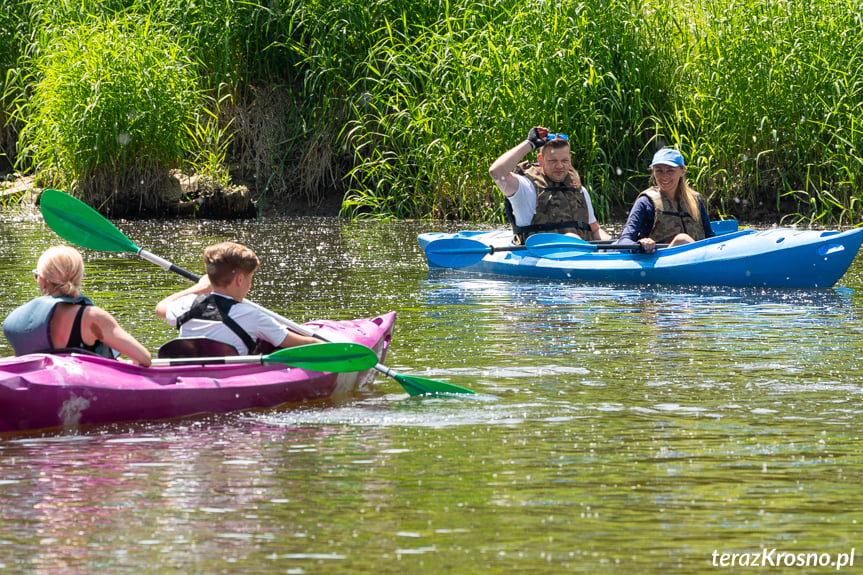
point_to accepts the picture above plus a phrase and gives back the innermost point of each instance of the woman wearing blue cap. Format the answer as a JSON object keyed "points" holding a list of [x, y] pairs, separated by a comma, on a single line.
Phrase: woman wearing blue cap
{"points": [[669, 211]]}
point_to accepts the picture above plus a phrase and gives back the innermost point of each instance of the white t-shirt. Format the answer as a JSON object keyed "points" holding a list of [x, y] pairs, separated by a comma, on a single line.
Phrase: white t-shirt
{"points": [[523, 202], [257, 324]]}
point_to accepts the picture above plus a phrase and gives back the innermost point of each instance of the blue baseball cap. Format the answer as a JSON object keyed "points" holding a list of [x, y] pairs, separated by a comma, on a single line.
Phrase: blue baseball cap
{"points": [[668, 157]]}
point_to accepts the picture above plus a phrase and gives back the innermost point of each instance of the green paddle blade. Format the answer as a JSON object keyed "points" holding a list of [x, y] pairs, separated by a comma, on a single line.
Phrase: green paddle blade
{"points": [[329, 357], [422, 386], [76, 222]]}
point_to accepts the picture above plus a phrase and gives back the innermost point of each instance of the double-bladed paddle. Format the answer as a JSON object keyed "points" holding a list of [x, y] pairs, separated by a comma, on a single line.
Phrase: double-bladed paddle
{"points": [[326, 357], [76, 222], [562, 247], [462, 252]]}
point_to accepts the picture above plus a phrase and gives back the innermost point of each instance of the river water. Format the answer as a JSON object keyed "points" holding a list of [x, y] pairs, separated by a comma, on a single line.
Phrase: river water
{"points": [[618, 429]]}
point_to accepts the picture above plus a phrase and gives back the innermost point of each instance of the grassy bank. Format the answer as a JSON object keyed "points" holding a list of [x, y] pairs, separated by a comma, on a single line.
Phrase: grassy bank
{"points": [[398, 107]]}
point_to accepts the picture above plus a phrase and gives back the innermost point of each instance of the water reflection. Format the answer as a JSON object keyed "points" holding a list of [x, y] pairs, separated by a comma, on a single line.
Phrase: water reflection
{"points": [[81, 491], [715, 335], [627, 428]]}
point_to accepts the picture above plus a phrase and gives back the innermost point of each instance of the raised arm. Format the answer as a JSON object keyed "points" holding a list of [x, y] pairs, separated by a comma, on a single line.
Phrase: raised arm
{"points": [[203, 286], [501, 171]]}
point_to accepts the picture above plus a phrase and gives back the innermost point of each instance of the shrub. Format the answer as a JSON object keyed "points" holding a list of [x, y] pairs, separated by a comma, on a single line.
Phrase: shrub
{"points": [[108, 115]]}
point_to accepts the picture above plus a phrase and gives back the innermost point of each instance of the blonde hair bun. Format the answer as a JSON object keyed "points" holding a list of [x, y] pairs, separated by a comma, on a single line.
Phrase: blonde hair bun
{"points": [[62, 267]]}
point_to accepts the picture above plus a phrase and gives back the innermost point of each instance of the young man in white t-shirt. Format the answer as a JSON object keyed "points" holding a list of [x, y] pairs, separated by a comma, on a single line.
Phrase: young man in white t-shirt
{"points": [[213, 308]]}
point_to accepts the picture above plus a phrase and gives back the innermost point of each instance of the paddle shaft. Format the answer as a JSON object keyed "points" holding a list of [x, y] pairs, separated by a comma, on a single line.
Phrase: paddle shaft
{"points": [[599, 245], [563, 247], [226, 360], [589, 246], [166, 265], [324, 356], [301, 329]]}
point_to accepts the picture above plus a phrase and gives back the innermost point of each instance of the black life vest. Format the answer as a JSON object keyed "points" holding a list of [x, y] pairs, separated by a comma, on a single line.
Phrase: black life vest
{"points": [[214, 307]]}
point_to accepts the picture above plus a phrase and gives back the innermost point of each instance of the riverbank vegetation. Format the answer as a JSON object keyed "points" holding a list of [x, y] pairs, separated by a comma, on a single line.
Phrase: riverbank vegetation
{"points": [[396, 108]]}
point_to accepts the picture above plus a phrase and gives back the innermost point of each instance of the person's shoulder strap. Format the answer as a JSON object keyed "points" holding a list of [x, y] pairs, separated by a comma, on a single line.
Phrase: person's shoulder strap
{"points": [[524, 167], [212, 307], [225, 304], [651, 193], [75, 339]]}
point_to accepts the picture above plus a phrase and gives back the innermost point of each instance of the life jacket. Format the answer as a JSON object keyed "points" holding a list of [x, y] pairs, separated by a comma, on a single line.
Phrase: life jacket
{"points": [[668, 221], [28, 327], [560, 207], [214, 307]]}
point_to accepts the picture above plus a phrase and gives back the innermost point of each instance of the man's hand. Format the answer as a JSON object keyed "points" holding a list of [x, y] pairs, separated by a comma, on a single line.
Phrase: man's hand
{"points": [[537, 137]]}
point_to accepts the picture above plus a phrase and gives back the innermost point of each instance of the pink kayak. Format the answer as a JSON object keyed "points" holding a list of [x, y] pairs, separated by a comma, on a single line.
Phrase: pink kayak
{"points": [[45, 390]]}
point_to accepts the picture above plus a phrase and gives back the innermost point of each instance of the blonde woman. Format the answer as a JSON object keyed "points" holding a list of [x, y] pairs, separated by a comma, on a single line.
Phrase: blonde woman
{"points": [[669, 211], [63, 319]]}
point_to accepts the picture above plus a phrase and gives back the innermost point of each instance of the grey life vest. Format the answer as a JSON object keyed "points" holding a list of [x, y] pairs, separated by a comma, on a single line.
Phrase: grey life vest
{"points": [[28, 327]]}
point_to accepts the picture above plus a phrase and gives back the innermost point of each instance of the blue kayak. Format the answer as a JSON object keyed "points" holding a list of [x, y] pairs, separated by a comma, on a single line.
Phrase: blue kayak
{"points": [[777, 257]]}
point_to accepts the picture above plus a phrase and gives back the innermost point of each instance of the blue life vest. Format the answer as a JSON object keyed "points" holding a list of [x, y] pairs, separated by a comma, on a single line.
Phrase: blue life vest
{"points": [[28, 327]]}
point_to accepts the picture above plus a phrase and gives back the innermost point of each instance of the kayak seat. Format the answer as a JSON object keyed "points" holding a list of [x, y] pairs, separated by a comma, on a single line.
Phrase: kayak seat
{"points": [[195, 347]]}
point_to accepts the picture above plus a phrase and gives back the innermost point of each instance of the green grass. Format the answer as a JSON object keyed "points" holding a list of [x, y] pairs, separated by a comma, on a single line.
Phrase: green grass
{"points": [[13, 31], [109, 108], [443, 100], [773, 112], [401, 105]]}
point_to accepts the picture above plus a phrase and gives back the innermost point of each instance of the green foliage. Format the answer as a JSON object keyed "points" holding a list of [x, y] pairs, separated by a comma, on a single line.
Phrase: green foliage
{"points": [[440, 100], [110, 99], [403, 104], [13, 31], [772, 108], [762, 97], [230, 40], [208, 145]]}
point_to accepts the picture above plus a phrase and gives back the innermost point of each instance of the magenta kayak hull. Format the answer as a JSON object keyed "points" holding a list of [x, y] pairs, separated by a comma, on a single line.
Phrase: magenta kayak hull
{"points": [[43, 390]]}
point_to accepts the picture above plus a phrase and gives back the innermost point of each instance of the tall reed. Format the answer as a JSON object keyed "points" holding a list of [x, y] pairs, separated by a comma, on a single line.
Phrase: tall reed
{"points": [[13, 31], [439, 101], [761, 96], [401, 105], [771, 105], [110, 105]]}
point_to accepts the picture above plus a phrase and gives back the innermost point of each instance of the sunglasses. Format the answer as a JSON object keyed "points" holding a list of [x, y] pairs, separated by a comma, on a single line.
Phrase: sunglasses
{"points": [[35, 274], [560, 136]]}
